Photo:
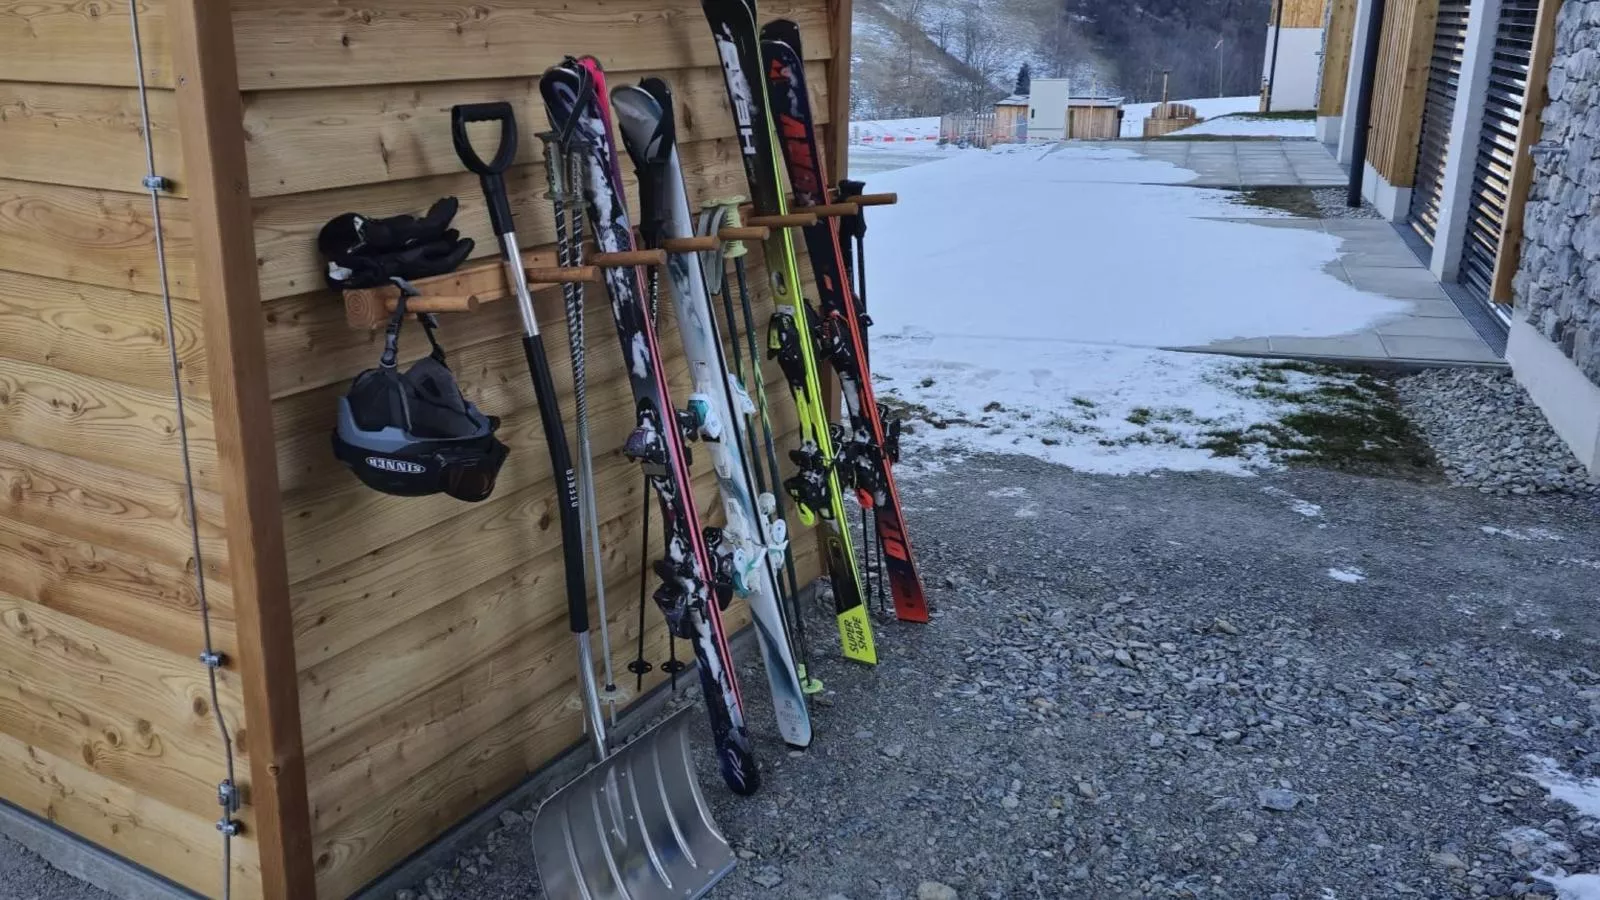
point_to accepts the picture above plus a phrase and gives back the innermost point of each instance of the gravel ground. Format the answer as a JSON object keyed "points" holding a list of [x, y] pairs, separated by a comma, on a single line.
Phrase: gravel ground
{"points": [[1488, 434], [1305, 685], [24, 876], [1333, 203]]}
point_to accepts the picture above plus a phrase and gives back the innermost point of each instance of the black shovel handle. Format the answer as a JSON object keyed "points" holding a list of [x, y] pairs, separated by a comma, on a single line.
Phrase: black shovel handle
{"points": [[491, 173]]}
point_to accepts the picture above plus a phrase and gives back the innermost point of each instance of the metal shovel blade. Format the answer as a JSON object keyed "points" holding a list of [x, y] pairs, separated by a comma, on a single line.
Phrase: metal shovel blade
{"points": [[634, 827]]}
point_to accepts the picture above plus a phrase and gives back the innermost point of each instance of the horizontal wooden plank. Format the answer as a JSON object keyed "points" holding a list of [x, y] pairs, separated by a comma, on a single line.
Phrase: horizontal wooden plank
{"points": [[104, 421], [286, 227], [322, 139], [106, 332], [181, 845], [86, 135], [137, 514], [133, 713], [117, 591], [338, 696], [306, 43], [93, 236], [73, 42]]}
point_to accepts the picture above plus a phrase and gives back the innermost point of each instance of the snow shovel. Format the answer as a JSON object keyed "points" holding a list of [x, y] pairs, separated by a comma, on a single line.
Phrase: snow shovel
{"points": [[635, 826]]}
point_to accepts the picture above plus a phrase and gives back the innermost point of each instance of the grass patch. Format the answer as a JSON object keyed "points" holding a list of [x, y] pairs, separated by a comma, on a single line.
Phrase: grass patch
{"points": [[1140, 416], [1084, 402], [1287, 115], [1296, 201], [1343, 419]]}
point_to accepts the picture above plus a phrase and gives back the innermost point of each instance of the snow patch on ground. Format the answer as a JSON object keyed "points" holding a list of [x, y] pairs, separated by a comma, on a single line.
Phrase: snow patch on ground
{"points": [[1008, 493], [1254, 126], [1526, 534], [876, 130], [1573, 887], [1347, 574], [1306, 508], [1070, 243], [1582, 794], [1114, 410]]}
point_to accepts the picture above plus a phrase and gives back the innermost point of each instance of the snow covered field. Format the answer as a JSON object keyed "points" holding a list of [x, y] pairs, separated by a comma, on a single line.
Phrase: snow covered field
{"points": [[1022, 297], [1254, 126], [891, 132]]}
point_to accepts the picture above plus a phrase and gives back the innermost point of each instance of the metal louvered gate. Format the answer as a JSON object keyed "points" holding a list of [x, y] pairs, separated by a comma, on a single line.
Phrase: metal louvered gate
{"points": [[1444, 83], [1497, 142]]}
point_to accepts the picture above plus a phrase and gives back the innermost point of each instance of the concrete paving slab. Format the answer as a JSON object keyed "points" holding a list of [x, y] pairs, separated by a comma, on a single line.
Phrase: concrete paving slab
{"points": [[1362, 228], [1361, 345], [1406, 284], [1428, 326], [1373, 255], [1437, 349], [1445, 309]]}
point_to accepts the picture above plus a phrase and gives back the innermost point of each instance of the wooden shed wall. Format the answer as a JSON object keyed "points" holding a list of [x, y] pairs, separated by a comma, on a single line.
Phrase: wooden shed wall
{"points": [[435, 665], [105, 723]]}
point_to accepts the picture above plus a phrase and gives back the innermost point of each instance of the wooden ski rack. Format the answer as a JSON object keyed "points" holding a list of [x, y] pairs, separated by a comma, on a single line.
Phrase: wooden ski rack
{"points": [[467, 289], [875, 199]]}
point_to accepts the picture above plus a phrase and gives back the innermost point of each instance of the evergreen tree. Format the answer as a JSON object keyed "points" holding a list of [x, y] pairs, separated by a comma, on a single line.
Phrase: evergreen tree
{"points": [[1024, 80]]}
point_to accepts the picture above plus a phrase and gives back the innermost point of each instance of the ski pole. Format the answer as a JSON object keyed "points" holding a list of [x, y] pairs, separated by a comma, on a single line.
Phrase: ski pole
{"points": [[569, 238], [492, 176]]}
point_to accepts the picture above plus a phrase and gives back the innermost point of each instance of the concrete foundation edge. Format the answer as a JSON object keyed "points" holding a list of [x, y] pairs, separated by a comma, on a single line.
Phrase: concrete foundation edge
{"points": [[86, 861], [1570, 401], [126, 880]]}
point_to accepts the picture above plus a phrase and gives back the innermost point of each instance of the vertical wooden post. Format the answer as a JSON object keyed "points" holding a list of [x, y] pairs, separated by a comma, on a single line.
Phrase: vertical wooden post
{"points": [[211, 124], [1509, 256]]}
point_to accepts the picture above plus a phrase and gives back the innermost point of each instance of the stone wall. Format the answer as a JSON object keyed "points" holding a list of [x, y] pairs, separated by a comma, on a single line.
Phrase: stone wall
{"points": [[1558, 285]]}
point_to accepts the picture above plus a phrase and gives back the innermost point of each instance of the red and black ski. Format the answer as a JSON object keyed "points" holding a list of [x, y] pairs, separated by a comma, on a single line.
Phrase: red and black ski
{"points": [[866, 448]]}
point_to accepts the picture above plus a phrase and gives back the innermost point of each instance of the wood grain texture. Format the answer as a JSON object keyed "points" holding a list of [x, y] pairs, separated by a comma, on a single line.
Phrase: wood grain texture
{"points": [[76, 42], [1401, 88], [836, 86], [104, 421], [286, 227], [316, 140], [134, 713], [85, 135], [115, 590], [1303, 13], [108, 333], [1337, 47], [307, 43], [93, 237], [1529, 131], [135, 826], [141, 515], [210, 117]]}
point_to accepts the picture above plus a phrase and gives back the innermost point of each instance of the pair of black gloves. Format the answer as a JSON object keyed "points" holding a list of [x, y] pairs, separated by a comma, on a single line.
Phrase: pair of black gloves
{"points": [[363, 252]]}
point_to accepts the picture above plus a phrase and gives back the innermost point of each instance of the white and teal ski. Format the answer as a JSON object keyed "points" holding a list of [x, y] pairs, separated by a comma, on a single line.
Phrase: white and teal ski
{"points": [[751, 546]]}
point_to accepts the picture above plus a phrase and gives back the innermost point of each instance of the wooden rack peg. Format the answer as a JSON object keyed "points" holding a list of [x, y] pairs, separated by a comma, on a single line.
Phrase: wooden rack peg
{"points": [[875, 199], [831, 210], [628, 258], [690, 245], [792, 220], [744, 234], [464, 290]]}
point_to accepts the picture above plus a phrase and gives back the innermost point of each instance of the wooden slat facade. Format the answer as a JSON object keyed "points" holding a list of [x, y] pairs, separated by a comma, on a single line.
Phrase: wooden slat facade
{"points": [[1338, 44], [1303, 13], [393, 663], [1400, 88]]}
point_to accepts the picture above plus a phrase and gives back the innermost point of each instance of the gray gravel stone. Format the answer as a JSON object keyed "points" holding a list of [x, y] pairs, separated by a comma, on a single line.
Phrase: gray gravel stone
{"points": [[936, 890], [1488, 434], [1333, 204]]}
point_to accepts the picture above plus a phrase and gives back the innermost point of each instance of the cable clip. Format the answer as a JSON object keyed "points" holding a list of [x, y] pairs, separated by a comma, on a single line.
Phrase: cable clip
{"points": [[228, 797], [211, 659], [156, 183]]}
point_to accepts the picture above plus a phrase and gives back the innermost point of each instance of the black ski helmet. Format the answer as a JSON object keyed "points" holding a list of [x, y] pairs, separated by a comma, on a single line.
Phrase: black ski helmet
{"points": [[413, 433]]}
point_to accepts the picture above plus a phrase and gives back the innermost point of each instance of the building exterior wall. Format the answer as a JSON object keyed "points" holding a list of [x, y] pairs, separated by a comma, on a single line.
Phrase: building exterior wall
{"points": [[106, 726], [1299, 62], [1557, 285]]}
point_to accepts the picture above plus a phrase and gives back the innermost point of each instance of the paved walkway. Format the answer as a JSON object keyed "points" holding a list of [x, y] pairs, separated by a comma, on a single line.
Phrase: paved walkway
{"points": [[1243, 164], [1374, 258]]}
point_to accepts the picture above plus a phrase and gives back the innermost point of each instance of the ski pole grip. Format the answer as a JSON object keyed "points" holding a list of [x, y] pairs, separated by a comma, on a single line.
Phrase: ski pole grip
{"points": [[492, 173]]}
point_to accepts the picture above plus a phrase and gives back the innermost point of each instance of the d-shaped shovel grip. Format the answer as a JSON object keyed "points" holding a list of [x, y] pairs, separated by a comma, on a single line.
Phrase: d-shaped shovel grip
{"points": [[491, 173]]}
